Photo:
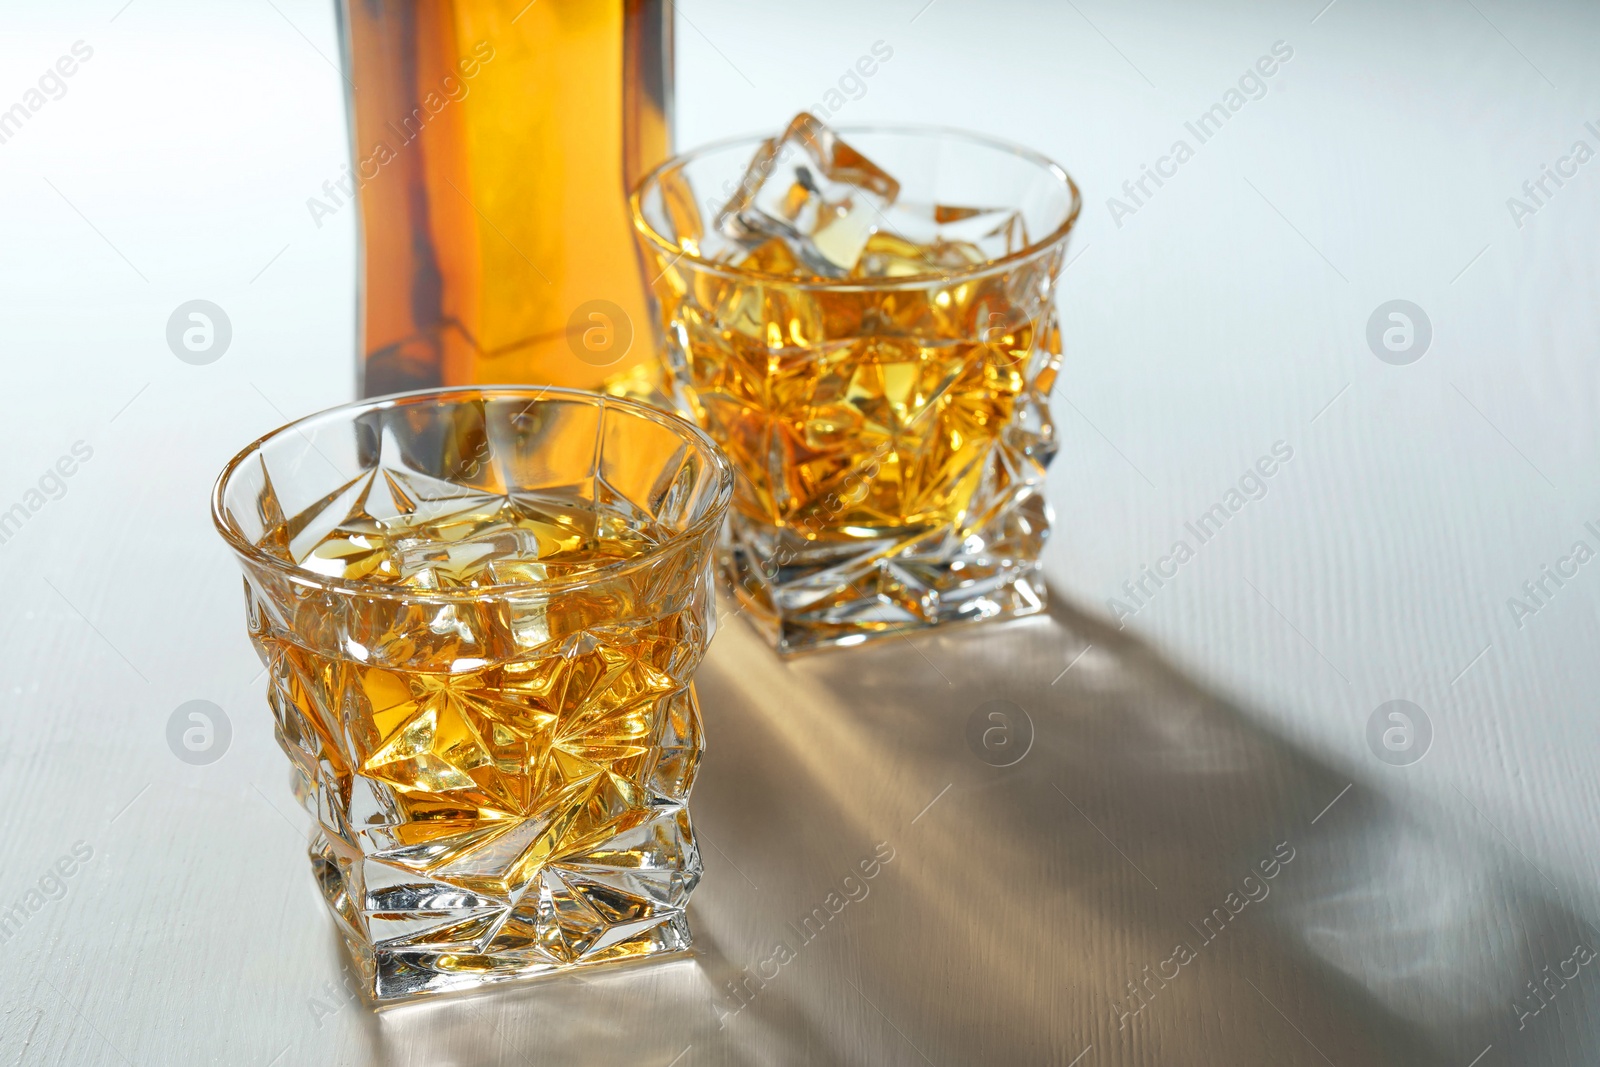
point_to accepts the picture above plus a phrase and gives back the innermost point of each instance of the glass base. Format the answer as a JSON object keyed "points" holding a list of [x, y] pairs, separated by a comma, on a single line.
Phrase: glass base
{"points": [[807, 595], [566, 922]]}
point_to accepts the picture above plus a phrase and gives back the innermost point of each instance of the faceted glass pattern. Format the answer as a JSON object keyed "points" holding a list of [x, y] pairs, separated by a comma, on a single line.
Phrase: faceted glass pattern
{"points": [[481, 611], [885, 408]]}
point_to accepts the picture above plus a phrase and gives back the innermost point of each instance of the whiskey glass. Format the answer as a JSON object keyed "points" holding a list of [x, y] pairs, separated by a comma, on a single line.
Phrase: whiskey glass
{"points": [[890, 433], [481, 611]]}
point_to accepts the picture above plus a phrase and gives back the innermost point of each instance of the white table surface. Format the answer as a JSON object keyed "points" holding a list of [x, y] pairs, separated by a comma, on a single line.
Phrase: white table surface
{"points": [[1227, 313]]}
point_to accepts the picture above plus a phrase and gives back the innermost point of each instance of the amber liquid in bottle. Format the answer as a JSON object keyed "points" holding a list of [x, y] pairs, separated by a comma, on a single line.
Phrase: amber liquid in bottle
{"points": [[494, 142]]}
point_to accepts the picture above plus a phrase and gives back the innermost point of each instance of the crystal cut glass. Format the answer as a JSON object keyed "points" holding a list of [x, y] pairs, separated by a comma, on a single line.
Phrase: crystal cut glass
{"points": [[481, 611], [865, 320]]}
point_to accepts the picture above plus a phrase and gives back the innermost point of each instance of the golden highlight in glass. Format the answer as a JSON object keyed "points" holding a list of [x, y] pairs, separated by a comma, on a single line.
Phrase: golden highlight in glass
{"points": [[481, 611], [867, 327]]}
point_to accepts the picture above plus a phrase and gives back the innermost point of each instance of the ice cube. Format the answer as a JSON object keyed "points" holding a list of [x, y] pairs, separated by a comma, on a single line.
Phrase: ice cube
{"points": [[430, 564], [772, 256], [888, 256], [997, 231], [435, 563], [920, 238], [351, 554], [815, 192]]}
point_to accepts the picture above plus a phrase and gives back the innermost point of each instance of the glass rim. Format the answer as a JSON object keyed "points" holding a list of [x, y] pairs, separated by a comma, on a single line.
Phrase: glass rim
{"points": [[359, 587], [1035, 248]]}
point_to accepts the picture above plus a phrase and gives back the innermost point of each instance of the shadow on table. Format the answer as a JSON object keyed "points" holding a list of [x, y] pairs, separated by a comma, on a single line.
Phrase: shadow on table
{"points": [[1110, 889], [1157, 879]]}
